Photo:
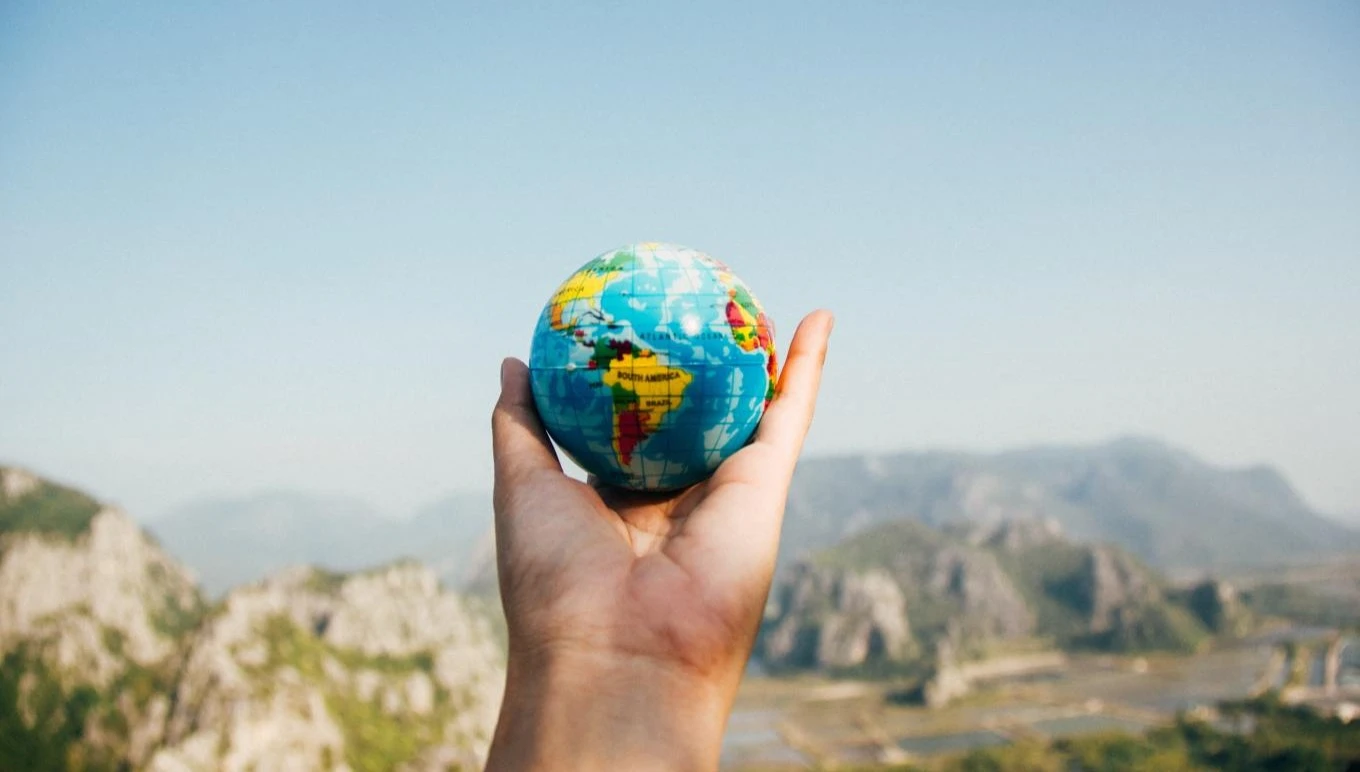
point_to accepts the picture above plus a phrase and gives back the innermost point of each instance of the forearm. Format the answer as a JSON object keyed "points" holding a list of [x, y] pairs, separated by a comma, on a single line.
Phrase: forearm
{"points": [[595, 713]]}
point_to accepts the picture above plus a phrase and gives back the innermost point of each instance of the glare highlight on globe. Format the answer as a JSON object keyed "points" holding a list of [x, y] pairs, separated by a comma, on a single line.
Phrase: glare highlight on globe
{"points": [[651, 364]]}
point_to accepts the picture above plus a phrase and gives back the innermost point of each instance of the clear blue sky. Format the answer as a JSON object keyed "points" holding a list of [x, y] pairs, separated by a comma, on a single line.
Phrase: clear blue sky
{"points": [[244, 246]]}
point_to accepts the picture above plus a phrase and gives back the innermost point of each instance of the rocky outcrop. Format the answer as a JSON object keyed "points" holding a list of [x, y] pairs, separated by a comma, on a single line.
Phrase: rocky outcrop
{"points": [[325, 670], [950, 679], [1112, 584], [973, 594], [991, 605], [850, 605], [1217, 605], [838, 619], [15, 483], [947, 681], [111, 660], [91, 616], [1016, 533], [110, 581]]}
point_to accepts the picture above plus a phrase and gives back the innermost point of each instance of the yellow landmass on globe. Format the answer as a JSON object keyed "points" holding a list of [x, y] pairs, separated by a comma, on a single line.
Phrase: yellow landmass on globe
{"points": [[644, 392], [586, 284]]}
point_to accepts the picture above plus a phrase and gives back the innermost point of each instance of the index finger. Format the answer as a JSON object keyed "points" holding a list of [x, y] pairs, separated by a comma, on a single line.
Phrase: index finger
{"points": [[789, 416], [732, 537]]}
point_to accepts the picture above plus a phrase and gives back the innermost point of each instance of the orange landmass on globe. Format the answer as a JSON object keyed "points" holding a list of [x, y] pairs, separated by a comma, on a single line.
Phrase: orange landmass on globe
{"points": [[752, 331], [644, 391]]}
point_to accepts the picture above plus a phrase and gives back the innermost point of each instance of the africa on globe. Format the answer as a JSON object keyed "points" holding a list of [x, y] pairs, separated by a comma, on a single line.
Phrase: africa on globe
{"points": [[651, 364]]}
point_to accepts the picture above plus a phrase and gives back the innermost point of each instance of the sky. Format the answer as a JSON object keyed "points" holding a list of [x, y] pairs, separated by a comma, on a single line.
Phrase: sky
{"points": [[257, 245]]}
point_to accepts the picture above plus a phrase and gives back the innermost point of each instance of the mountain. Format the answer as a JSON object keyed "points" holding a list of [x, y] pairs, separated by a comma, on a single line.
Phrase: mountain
{"points": [[908, 595], [112, 659], [232, 541], [1162, 504], [307, 669], [92, 616]]}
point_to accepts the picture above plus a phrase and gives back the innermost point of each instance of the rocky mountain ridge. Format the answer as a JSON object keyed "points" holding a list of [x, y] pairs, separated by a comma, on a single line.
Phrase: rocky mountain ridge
{"points": [[1162, 504], [112, 659], [907, 596]]}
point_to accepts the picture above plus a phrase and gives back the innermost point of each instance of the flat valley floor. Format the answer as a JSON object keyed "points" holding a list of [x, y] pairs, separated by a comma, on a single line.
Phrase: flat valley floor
{"points": [[804, 722]]}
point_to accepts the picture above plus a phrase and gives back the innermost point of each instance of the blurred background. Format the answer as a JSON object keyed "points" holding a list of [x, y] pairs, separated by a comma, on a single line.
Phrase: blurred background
{"points": [[1085, 477]]}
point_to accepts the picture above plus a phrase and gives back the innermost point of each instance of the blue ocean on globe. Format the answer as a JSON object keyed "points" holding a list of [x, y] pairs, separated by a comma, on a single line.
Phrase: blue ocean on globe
{"points": [[651, 364]]}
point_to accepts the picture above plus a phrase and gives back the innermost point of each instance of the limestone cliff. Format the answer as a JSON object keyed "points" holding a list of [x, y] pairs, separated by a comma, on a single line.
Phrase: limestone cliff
{"points": [[91, 616], [884, 595], [970, 592], [375, 670], [1218, 606], [843, 618], [110, 659]]}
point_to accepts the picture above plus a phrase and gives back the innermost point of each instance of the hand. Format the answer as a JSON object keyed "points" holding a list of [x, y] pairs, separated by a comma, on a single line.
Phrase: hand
{"points": [[631, 615]]}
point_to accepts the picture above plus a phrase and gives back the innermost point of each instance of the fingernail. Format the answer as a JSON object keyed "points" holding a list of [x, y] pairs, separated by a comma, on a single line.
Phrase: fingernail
{"points": [[505, 375]]}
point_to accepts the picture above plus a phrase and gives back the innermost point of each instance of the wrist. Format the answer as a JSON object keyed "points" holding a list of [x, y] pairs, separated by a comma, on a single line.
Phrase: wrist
{"points": [[567, 710]]}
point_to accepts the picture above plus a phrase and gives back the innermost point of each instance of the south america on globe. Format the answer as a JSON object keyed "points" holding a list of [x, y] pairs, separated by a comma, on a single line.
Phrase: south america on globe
{"points": [[651, 364]]}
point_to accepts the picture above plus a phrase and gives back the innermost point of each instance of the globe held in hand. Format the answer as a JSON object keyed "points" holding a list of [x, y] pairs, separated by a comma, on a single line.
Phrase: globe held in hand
{"points": [[651, 364]]}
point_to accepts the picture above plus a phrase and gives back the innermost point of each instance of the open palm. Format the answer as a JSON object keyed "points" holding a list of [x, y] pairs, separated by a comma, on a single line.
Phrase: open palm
{"points": [[676, 580]]}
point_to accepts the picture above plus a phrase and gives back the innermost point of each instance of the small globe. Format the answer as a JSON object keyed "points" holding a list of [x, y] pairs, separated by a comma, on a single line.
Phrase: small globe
{"points": [[651, 364]]}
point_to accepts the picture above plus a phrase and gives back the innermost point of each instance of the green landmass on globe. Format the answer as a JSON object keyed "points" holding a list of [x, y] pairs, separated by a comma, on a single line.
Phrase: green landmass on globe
{"points": [[651, 364]]}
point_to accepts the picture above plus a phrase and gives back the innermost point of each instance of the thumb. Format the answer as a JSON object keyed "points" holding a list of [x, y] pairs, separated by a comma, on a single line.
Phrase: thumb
{"points": [[520, 446]]}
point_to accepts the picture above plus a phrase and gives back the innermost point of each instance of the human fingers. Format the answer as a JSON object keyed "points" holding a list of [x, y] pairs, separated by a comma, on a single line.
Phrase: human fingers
{"points": [[789, 416], [520, 446], [733, 537]]}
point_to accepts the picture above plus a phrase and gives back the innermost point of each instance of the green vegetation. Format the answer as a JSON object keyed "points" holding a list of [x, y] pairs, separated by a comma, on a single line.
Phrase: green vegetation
{"points": [[374, 739], [884, 546], [1258, 735], [174, 620], [1302, 604], [1049, 578], [906, 550], [1064, 585], [1055, 581], [911, 673], [328, 582], [43, 724], [324, 581], [114, 640], [290, 645], [40, 723], [1105, 752], [1158, 626], [136, 686], [48, 509], [166, 612]]}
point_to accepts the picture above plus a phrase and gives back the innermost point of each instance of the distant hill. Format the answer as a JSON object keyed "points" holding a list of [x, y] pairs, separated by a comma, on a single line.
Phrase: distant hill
{"points": [[905, 598], [1164, 505], [233, 541]]}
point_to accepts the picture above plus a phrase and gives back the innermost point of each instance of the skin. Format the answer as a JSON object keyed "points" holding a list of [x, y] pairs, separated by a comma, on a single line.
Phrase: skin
{"points": [[631, 616]]}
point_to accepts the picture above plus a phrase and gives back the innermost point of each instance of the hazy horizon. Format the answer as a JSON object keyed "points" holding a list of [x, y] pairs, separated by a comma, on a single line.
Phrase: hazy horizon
{"points": [[381, 507], [249, 247]]}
